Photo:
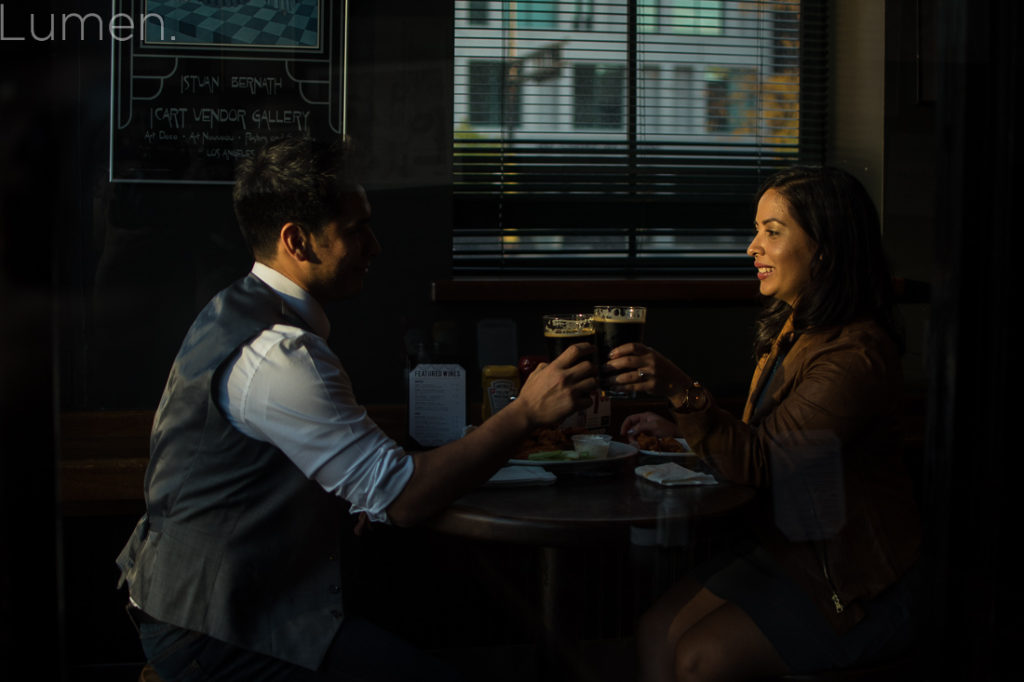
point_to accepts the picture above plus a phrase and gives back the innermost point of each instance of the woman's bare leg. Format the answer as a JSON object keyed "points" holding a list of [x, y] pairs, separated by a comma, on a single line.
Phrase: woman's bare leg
{"points": [[692, 634], [661, 627], [725, 644]]}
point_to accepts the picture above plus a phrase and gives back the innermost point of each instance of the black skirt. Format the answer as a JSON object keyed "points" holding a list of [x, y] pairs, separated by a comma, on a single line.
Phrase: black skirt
{"points": [[752, 580]]}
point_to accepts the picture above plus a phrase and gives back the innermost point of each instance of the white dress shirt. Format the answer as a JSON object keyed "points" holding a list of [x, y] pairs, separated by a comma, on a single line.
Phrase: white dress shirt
{"points": [[288, 388]]}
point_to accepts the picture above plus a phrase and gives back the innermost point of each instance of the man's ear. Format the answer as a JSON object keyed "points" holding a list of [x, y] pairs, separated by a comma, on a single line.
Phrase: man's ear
{"points": [[294, 242]]}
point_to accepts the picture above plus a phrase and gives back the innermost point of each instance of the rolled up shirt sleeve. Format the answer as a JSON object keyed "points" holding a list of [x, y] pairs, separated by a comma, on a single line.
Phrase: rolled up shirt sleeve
{"points": [[288, 388]]}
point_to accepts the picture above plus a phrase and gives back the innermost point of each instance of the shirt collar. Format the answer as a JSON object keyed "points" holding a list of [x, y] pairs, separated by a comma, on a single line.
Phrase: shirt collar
{"points": [[296, 297]]}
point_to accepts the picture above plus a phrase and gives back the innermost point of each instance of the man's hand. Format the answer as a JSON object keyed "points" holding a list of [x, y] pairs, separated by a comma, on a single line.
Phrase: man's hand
{"points": [[556, 389]]}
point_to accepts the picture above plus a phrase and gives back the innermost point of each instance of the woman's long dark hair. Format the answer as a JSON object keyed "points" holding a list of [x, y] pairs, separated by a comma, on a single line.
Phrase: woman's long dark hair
{"points": [[849, 276]]}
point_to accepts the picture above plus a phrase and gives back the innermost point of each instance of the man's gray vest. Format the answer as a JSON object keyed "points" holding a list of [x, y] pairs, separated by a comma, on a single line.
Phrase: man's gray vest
{"points": [[236, 543]]}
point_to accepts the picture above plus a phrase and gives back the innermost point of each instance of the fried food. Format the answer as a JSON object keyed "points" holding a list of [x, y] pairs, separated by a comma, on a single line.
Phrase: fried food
{"points": [[545, 440], [646, 441]]}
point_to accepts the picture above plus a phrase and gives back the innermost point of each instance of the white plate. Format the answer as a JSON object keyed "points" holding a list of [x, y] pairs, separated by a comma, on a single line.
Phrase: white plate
{"points": [[616, 452], [681, 441], [517, 475]]}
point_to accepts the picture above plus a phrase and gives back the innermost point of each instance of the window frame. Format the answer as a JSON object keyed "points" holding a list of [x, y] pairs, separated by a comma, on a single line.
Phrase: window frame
{"points": [[631, 260]]}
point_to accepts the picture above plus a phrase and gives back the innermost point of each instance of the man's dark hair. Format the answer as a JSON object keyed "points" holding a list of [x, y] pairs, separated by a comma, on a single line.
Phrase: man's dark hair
{"points": [[298, 180], [849, 273]]}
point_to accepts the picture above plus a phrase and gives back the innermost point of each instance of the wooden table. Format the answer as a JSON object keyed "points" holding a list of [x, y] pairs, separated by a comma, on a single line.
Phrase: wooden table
{"points": [[588, 508], [608, 508]]}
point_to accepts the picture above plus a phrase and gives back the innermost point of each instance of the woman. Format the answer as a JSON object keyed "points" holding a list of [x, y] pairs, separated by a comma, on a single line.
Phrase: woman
{"points": [[824, 580]]}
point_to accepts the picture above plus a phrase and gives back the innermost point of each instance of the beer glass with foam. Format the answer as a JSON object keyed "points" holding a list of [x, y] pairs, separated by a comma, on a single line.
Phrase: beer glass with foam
{"points": [[615, 325], [564, 329]]}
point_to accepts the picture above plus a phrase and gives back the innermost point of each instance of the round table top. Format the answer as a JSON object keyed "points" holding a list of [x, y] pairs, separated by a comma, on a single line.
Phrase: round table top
{"points": [[585, 508]]}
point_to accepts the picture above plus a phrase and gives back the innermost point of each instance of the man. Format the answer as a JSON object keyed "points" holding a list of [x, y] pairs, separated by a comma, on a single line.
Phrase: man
{"points": [[258, 451]]}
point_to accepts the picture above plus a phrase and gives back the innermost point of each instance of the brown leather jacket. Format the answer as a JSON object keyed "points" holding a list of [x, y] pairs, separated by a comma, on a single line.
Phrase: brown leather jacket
{"points": [[824, 444]]}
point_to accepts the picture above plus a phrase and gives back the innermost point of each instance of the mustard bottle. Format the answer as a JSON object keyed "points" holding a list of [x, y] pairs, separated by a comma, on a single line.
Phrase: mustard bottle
{"points": [[500, 386]]}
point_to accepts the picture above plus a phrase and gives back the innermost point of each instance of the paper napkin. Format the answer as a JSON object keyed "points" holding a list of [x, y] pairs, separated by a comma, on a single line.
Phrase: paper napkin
{"points": [[671, 473]]}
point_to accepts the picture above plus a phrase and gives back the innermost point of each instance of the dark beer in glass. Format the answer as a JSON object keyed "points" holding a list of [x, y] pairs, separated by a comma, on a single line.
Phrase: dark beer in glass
{"points": [[613, 327], [564, 329]]}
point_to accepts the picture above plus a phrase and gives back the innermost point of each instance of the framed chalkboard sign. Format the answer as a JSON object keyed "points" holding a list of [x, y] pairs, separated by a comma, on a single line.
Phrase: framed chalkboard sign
{"points": [[198, 84]]}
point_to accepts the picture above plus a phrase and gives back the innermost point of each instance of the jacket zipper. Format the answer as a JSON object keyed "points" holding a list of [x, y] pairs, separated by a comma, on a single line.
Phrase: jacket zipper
{"points": [[836, 602]]}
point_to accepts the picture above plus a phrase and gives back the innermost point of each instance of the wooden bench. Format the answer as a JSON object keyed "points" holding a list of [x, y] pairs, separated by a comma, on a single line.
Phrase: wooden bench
{"points": [[103, 456]]}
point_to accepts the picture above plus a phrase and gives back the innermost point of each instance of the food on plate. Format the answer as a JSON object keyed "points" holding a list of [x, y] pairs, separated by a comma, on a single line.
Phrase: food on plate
{"points": [[645, 441], [546, 440]]}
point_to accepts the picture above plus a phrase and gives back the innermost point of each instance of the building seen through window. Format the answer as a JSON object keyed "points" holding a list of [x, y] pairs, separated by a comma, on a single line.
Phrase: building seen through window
{"points": [[626, 133]]}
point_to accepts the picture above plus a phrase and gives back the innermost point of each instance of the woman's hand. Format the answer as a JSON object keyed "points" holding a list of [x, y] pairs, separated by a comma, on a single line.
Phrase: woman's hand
{"points": [[649, 423], [641, 368]]}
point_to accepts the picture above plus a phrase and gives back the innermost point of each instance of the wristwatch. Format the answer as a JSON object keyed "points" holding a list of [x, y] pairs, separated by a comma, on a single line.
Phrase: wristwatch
{"points": [[694, 398]]}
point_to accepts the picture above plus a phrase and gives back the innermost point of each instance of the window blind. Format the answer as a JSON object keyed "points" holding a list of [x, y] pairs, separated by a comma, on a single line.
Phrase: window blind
{"points": [[627, 136]]}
